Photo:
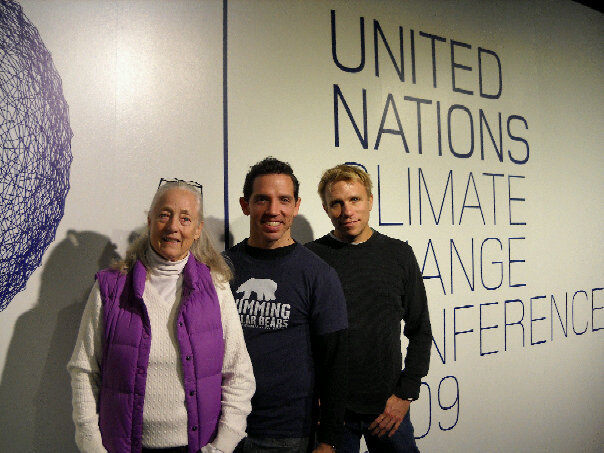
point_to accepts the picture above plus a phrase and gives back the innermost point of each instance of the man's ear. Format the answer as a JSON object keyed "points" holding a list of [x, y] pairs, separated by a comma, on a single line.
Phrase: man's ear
{"points": [[371, 202], [245, 206]]}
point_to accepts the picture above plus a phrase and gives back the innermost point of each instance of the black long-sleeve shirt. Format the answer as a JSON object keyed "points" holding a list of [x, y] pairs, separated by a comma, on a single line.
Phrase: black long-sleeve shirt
{"points": [[383, 285]]}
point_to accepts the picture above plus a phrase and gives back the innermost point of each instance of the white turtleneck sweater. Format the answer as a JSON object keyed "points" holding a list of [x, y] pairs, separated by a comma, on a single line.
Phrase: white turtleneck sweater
{"points": [[164, 412]]}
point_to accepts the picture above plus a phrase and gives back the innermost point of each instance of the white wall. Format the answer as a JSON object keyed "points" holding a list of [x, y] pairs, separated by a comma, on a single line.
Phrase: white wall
{"points": [[144, 84]]}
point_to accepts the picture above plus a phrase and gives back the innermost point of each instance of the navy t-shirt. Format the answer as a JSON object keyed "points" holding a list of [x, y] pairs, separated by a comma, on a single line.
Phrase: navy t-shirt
{"points": [[284, 297]]}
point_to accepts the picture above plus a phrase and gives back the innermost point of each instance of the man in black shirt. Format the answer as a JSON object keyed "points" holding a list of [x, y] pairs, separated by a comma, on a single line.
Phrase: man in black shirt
{"points": [[293, 312], [383, 285]]}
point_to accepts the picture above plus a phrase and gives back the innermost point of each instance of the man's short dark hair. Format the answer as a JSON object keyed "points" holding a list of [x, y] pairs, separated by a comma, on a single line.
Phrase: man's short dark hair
{"points": [[268, 166]]}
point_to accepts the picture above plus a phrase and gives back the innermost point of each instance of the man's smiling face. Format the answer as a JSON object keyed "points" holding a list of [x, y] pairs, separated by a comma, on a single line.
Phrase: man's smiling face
{"points": [[272, 208]]}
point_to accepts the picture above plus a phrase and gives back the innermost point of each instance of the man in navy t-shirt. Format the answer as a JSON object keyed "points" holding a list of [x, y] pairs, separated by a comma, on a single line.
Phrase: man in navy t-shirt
{"points": [[293, 313]]}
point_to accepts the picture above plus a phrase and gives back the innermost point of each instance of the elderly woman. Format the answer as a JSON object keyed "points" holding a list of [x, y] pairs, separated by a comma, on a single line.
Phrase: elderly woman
{"points": [[160, 362]]}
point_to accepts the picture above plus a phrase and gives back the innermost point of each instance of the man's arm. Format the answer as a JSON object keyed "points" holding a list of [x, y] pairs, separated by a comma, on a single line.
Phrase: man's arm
{"points": [[330, 353], [417, 359], [418, 331], [329, 330]]}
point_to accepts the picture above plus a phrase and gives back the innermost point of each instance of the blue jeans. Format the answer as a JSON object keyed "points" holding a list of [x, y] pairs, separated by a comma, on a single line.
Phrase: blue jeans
{"points": [[357, 425], [272, 445]]}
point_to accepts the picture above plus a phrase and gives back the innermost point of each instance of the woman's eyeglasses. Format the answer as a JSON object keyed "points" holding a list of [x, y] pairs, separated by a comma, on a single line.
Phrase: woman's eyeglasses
{"points": [[191, 183]]}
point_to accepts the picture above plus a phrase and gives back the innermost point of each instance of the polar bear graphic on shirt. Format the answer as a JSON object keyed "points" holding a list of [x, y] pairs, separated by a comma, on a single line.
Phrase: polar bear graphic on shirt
{"points": [[264, 288]]}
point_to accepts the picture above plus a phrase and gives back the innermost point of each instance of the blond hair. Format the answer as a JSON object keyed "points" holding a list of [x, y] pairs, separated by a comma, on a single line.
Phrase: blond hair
{"points": [[343, 172]]}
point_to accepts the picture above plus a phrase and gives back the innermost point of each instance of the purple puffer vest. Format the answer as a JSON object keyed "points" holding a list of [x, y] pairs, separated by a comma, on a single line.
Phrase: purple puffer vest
{"points": [[126, 345]]}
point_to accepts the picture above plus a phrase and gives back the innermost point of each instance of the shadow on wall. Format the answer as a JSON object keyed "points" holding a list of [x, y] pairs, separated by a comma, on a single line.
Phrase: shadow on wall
{"points": [[301, 230], [35, 391], [215, 227]]}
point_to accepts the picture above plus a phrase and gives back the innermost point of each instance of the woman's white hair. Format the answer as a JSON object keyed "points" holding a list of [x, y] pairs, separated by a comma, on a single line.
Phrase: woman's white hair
{"points": [[202, 248]]}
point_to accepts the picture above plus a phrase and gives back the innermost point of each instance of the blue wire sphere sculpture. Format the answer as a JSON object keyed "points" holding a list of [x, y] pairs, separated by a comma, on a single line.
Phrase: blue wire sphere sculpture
{"points": [[36, 150]]}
